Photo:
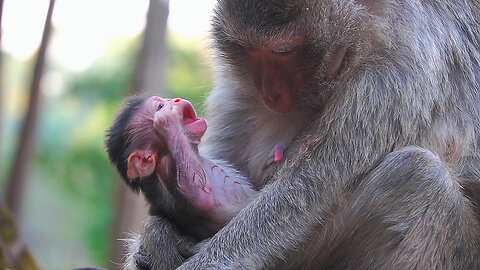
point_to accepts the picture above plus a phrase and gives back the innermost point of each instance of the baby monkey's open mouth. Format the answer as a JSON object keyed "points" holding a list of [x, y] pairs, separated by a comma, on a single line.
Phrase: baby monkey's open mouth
{"points": [[192, 123], [189, 115]]}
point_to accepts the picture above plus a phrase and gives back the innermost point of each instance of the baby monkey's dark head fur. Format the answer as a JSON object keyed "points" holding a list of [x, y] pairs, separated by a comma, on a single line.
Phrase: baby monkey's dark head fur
{"points": [[118, 144]]}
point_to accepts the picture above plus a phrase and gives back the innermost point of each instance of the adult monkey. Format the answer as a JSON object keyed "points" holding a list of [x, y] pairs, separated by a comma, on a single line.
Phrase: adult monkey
{"points": [[390, 83]]}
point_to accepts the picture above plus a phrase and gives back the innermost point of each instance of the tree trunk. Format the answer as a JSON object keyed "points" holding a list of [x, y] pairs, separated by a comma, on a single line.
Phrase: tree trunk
{"points": [[13, 253], [153, 54], [1, 74], [149, 76], [16, 181]]}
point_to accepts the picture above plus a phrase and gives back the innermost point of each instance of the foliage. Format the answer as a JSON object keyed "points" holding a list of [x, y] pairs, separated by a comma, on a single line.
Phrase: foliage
{"points": [[110, 77], [71, 149], [73, 186], [188, 75]]}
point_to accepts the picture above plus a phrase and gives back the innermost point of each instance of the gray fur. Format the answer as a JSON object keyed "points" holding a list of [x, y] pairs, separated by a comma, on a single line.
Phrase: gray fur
{"points": [[383, 171], [159, 239]]}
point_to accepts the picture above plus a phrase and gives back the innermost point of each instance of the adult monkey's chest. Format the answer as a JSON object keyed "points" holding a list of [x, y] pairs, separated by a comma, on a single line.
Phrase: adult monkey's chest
{"points": [[268, 139]]}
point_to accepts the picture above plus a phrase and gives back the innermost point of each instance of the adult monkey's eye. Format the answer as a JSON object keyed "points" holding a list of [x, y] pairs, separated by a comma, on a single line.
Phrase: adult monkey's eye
{"points": [[284, 49], [159, 107]]}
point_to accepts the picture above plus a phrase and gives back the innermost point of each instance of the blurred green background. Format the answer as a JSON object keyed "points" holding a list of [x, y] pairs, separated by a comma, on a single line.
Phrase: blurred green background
{"points": [[69, 205]]}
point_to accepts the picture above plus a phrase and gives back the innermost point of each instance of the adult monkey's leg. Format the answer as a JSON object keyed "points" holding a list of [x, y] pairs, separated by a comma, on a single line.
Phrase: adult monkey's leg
{"points": [[159, 240], [408, 213]]}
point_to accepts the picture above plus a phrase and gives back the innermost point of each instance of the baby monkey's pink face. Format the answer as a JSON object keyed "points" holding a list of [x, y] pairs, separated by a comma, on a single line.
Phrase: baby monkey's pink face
{"points": [[152, 128], [194, 126]]}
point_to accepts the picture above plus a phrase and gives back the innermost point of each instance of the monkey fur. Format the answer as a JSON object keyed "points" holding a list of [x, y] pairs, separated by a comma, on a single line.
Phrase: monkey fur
{"points": [[380, 104]]}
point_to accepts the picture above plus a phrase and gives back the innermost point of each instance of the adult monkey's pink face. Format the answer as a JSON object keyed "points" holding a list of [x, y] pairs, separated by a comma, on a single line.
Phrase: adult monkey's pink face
{"points": [[276, 73], [289, 53]]}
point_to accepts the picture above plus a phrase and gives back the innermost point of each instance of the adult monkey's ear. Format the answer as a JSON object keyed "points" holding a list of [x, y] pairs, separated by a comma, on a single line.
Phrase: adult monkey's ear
{"points": [[141, 163]]}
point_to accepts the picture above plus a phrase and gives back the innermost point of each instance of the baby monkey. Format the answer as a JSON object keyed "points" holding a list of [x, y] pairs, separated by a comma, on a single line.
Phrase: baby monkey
{"points": [[159, 141]]}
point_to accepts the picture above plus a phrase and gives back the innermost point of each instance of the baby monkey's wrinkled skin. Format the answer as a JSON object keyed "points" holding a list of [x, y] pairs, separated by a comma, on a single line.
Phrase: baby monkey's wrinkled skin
{"points": [[164, 134]]}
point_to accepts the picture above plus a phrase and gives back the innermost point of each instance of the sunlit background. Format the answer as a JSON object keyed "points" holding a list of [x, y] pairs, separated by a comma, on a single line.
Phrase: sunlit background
{"points": [[69, 205]]}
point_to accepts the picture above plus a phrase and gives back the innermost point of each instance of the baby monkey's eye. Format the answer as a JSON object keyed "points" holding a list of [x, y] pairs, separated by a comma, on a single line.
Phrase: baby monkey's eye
{"points": [[159, 107]]}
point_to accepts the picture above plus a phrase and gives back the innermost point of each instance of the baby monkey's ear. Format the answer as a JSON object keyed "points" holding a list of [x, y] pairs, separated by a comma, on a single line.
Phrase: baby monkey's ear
{"points": [[141, 163]]}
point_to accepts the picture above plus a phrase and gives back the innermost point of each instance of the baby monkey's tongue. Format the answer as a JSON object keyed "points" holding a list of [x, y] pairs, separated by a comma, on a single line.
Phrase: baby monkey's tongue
{"points": [[194, 125], [189, 115]]}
